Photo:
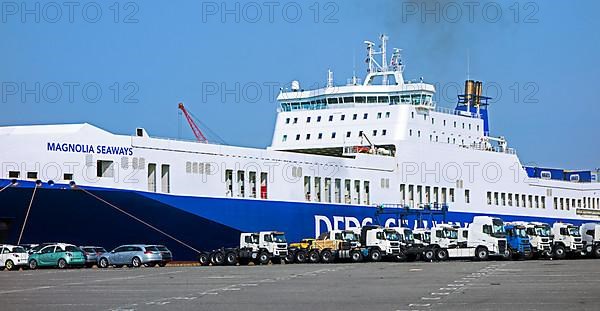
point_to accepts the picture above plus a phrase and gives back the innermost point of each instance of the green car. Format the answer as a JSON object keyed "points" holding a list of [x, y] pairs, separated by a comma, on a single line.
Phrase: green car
{"points": [[57, 255]]}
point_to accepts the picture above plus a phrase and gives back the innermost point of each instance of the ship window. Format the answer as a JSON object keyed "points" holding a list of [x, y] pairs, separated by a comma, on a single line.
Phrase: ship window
{"points": [[394, 100], [240, 184], [338, 190], [568, 204], [14, 174], [418, 133], [284, 138], [371, 99], [263, 185], [412, 115], [349, 99], [287, 121], [165, 178], [383, 99], [387, 114], [348, 134], [360, 133], [295, 120], [297, 136], [496, 198], [67, 176], [478, 127], [188, 167], [330, 118], [354, 116], [463, 125], [379, 115], [530, 201], [469, 126], [516, 200], [327, 189], [365, 116], [574, 178], [489, 198], [359, 99], [383, 132], [444, 122], [510, 199], [103, 169], [454, 123], [252, 184], [537, 201], [451, 194], [320, 135], [367, 189], [523, 201], [319, 119], [432, 120], [347, 190], [195, 167], [332, 100], [307, 119], [409, 132], [503, 198], [467, 196], [357, 192], [307, 136], [151, 177], [32, 175], [333, 135], [229, 183], [402, 193], [317, 189], [343, 117], [411, 195], [374, 132]]}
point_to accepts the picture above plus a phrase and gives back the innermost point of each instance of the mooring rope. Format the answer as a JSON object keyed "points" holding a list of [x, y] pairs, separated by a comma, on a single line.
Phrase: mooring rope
{"points": [[143, 222], [3, 188], [27, 215]]}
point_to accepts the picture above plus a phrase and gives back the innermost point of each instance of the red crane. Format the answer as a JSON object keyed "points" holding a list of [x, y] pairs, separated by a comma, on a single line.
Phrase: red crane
{"points": [[197, 132]]}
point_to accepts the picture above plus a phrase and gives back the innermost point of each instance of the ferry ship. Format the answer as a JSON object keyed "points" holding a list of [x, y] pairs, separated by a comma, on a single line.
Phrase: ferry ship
{"points": [[338, 154]]}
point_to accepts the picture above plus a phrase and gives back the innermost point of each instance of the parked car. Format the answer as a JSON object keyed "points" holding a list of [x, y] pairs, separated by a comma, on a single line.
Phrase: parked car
{"points": [[165, 253], [92, 253], [33, 248], [12, 257], [59, 255], [134, 255]]}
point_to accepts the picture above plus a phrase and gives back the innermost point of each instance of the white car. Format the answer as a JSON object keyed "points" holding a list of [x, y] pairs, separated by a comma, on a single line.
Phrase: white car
{"points": [[12, 257]]}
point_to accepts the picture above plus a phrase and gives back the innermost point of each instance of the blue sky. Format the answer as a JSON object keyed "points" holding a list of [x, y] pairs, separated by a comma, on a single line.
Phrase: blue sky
{"points": [[158, 55]]}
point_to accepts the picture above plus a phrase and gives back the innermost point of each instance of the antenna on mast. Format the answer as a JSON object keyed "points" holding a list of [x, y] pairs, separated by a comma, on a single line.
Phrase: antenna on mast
{"points": [[384, 67]]}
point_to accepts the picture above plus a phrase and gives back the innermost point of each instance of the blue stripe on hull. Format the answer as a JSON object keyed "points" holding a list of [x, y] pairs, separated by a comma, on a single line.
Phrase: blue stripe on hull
{"points": [[61, 214]]}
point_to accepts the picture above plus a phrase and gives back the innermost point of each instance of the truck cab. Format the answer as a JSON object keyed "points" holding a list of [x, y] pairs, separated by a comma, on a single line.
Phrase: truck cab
{"points": [[344, 235], [409, 249], [273, 242], [590, 233], [540, 237], [463, 236], [518, 240], [488, 236], [249, 241], [378, 242], [422, 237], [567, 240]]}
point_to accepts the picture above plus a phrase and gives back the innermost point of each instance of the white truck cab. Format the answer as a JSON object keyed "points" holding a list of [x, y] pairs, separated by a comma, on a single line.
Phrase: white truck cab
{"points": [[567, 240], [379, 242], [590, 233], [343, 235], [422, 236], [249, 241], [274, 242]]}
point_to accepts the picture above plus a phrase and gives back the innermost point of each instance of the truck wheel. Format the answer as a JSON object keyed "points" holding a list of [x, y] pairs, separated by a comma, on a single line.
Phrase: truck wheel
{"points": [[204, 259], [300, 257], [231, 259], [596, 251], [482, 253], [441, 254], [313, 256], [289, 258], [217, 258], [508, 254], [559, 252], [326, 256], [263, 258], [356, 256], [375, 255], [429, 255]]}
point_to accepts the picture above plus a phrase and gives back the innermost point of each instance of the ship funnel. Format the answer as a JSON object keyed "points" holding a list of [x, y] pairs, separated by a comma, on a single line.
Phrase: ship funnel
{"points": [[473, 91], [478, 87], [469, 90]]}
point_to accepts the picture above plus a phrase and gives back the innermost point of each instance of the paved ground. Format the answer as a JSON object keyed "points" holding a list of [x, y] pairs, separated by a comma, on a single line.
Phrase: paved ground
{"points": [[494, 285]]}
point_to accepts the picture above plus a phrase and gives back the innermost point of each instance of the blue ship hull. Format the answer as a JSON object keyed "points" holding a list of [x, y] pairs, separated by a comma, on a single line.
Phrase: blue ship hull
{"points": [[61, 214]]}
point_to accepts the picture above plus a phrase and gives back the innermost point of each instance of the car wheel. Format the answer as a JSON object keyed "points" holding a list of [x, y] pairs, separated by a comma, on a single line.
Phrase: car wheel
{"points": [[62, 263], [375, 255], [204, 259], [136, 262], [10, 265], [103, 263], [33, 264], [162, 264]]}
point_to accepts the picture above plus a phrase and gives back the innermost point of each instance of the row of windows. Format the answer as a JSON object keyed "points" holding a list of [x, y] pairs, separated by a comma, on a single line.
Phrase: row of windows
{"points": [[236, 185], [437, 138], [198, 168], [417, 195], [34, 175], [567, 204], [334, 134], [328, 190], [516, 200], [464, 126], [365, 116], [165, 177], [319, 103]]}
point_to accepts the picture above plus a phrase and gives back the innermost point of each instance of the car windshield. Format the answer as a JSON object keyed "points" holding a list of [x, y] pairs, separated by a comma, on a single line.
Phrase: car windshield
{"points": [[392, 235], [18, 249], [450, 233], [100, 250], [71, 248], [279, 238], [408, 235], [543, 231], [89, 250], [521, 232], [574, 231], [349, 236], [498, 228]]}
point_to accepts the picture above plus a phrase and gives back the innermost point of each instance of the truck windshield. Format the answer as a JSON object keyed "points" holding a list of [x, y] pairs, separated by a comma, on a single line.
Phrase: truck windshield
{"points": [[498, 228], [543, 231], [349, 236], [392, 235], [427, 236], [279, 238], [408, 235], [574, 231], [521, 232], [450, 233]]}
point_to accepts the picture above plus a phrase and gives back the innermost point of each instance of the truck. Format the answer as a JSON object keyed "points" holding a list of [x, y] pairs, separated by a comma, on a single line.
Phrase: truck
{"points": [[486, 237], [540, 238], [379, 243], [422, 237], [518, 242], [258, 247], [590, 232], [330, 246], [567, 240], [409, 249]]}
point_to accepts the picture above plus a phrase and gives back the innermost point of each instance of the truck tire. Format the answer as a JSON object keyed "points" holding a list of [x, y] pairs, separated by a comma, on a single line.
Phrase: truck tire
{"points": [[482, 253], [217, 258], [596, 251], [326, 256], [559, 252], [231, 259], [313, 256], [300, 256], [356, 256], [263, 258], [204, 259], [429, 254], [508, 254], [375, 255], [289, 258], [441, 254]]}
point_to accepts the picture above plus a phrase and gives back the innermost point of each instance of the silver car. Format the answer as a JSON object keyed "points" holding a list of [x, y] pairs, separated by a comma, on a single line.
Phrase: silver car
{"points": [[135, 255], [92, 253]]}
